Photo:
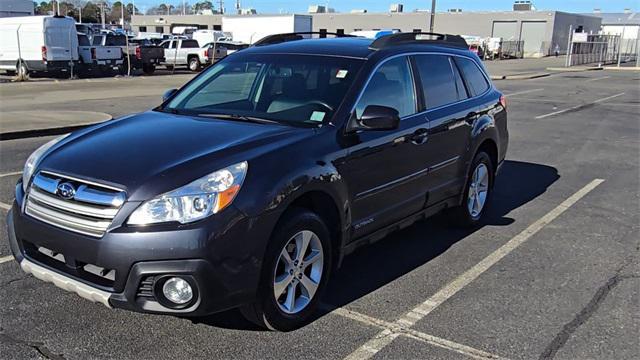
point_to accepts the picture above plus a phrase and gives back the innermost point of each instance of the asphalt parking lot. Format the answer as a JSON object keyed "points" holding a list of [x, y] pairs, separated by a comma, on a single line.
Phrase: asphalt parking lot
{"points": [[552, 273]]}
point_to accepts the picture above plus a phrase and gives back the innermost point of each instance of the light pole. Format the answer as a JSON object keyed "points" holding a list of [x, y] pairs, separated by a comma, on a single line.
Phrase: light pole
{"points": [[433, 15]]}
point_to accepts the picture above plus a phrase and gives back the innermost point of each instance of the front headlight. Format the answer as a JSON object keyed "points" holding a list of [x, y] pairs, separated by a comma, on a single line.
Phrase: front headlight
{"points": [[34, 159], [194, 201]]}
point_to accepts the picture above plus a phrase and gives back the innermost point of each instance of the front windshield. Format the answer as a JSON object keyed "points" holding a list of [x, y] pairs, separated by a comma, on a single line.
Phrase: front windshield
{"points": [[297, 89]]}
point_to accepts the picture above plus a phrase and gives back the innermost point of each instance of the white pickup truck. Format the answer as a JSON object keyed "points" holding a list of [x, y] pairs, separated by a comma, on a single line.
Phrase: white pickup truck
{"points": [[98, 58], [187, 52]]}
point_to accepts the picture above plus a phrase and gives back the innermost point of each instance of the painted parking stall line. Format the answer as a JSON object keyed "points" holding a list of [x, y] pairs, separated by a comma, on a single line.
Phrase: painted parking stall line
{"points": [[523, 92], [5, 259], [578, 106], [13, 173], [5, 207], [598, 78], [383, 339]]}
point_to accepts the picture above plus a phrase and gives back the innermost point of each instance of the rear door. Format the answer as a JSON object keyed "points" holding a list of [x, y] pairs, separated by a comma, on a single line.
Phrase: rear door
{"points": [[61, 39], [450, 120], [386, 170]]}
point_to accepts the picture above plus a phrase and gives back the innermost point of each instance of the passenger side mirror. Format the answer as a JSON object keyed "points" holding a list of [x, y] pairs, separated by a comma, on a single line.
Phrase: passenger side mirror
{"points": [[167, 94], [376, 117]]}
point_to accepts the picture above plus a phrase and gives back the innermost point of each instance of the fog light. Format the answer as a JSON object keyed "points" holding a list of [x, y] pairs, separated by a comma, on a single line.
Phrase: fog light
{"points": [[177, 290]]}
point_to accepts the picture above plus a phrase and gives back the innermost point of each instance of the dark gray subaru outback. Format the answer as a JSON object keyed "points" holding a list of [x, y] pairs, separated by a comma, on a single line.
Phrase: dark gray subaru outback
{"points": [[247, 186]]}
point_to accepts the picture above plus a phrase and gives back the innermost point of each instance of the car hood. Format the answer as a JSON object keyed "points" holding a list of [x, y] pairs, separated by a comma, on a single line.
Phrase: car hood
{"points": [[154, 152]]}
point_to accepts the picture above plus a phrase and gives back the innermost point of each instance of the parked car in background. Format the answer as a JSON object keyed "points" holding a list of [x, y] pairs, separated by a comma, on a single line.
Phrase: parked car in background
{"points": [[97, 58], [38, 43], [204, 37], [187, 53], [229, 45], [145, 57]]}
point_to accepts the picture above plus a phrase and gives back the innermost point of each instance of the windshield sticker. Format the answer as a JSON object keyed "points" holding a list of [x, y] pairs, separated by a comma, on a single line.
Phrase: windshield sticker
{"points": [[342, 74], [317, 116]]}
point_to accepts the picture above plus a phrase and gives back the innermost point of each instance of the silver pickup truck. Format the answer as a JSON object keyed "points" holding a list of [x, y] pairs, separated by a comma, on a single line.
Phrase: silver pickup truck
{"points": [[97, 58], [187, 52]]}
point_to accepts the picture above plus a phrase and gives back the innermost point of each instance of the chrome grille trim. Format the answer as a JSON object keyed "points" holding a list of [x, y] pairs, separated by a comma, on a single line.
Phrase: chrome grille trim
{"points": [[90, 212]]}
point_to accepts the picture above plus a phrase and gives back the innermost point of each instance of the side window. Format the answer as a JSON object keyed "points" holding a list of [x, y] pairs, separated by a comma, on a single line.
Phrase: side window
{"points": [[189, 44], [475, 79], [391, 85], [438, 83], [97, 40], [462, 90]]}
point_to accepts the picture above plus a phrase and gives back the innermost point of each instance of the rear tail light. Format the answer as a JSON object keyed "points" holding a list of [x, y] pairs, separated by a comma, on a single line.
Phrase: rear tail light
{"points": [[93, 53], [138, 53], [503, 101], [205, 53], [44, 53]]}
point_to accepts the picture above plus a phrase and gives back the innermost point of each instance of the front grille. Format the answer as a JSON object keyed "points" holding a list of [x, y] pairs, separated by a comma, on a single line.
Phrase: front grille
{"points": [[89, 210]]}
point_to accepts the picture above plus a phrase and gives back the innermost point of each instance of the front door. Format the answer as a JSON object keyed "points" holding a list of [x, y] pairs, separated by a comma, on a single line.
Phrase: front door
{"points": [[385, 170]]}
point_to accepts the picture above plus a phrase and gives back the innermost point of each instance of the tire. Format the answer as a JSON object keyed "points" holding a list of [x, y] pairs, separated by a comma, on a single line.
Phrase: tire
{"points": [[475, 203], [148, 69], [194, 64], [169, 67], [22, 71], [279, 313]]}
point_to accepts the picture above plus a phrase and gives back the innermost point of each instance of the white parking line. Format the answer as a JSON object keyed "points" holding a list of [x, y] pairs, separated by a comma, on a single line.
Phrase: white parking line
{"points": [[523, 92], [11, 174], [5, 259], [396, 330], [4, 206], [578, 106], [598, 78], [383, 339]]}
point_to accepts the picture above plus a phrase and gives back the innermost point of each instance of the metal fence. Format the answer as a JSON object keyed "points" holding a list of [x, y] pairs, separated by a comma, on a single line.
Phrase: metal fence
{"points": [[593, 49], [512, 50]]}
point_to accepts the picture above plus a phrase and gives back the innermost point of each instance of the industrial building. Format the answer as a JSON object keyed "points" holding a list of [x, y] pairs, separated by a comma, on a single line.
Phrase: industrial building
{"points": [[9, 8], [540, 31]]}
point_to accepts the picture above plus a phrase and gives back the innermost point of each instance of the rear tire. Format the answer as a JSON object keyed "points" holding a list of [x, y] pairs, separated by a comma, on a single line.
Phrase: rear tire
{"points": [[169, 67], [194, 64], [298, 278], [477, 193], [148, 69]]}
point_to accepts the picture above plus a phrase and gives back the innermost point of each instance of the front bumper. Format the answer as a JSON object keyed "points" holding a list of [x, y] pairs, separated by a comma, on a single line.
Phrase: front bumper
{"points": [[221, 257]]}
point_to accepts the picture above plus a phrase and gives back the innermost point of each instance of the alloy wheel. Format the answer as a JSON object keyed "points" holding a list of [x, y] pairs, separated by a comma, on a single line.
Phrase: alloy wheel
{"points": [[298, 272], [478, 190]]}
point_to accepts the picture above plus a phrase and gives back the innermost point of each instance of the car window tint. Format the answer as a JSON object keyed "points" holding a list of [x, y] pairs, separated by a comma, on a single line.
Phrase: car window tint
{"points": [[190, 44], [462, 90], [391, 85], [438, 83], [97, 40], [83, 40], [475, 79], [117, 40]]}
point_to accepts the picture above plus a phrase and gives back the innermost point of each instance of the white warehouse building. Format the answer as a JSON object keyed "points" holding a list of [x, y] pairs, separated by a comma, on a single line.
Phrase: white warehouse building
{"points": [[10, 8]]}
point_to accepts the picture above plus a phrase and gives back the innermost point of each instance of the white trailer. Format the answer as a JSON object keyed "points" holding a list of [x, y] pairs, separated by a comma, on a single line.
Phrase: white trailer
{"points": [[38, 43], [249, 29]]}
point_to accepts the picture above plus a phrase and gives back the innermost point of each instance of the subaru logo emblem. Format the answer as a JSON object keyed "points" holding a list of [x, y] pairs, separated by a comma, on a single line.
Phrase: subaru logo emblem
{"points": [[66, 191]]}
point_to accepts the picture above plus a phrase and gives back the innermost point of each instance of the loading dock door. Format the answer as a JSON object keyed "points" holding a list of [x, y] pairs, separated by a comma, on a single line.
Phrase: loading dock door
{"points": [[507, 30], [533, 35]]}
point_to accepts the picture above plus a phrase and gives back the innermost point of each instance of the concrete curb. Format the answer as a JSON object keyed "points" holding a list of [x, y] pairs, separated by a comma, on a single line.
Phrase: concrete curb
{"points": [[629, 68], [575, 69], [24, 134], [33, 123], [520, 76]]}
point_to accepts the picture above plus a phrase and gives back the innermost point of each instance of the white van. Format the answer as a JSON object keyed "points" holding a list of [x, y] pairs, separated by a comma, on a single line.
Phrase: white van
{"points": [[204, 37], [44, 43]]}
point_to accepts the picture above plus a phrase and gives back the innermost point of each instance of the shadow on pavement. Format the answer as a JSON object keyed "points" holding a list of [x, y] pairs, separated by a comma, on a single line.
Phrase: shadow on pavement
{"points": [[371, 268]]}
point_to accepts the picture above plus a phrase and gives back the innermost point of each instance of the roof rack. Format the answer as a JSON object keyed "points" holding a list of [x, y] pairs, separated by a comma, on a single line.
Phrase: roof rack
{"points": [[419, 38], [280, 38]]}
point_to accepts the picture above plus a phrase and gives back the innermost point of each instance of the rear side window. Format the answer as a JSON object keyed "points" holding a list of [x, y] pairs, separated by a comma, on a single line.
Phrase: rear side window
{"points": [[437, 78], [116, 40], [476, 81], [392, 86], [190, 44], [83, 40], [97, 40]]}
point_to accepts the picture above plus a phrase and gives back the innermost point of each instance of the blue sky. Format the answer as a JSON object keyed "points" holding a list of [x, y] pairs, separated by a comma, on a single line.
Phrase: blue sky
{"points": [[274, 6]]}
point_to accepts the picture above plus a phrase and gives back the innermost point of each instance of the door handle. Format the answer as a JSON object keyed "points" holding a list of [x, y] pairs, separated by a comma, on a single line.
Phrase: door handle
{"points": [[420, 136]]}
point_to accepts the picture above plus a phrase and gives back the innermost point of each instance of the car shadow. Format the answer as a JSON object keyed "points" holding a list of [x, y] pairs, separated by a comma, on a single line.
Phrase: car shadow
{"points": [[517, 184]]}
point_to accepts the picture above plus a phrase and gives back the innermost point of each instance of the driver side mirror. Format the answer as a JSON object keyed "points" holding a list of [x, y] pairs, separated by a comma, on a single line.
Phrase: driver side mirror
{"points": [[379, 118], [167, 94]]}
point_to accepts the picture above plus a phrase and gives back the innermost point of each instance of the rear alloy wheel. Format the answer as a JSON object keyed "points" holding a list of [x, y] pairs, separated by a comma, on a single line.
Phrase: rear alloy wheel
{"points": [[477, 193], [296, 268], [194, 64]]}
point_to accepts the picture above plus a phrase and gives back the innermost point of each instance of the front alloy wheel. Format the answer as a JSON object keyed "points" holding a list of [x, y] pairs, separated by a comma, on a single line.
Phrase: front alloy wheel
{"points": [[298, 272], [295, 271]]}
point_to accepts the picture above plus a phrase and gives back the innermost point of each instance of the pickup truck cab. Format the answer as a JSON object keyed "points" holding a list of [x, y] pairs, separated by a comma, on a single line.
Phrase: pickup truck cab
{"points": [[145, 57], [98, 58], [187, 52]]}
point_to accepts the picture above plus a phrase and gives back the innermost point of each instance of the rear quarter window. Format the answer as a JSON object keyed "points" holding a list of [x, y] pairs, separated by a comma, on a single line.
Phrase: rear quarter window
{"points": [[476, 81], [190, 44]]}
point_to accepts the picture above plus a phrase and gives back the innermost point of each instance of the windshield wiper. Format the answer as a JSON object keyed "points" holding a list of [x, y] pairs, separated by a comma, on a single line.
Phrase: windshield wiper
{"points": [[252, 119]]}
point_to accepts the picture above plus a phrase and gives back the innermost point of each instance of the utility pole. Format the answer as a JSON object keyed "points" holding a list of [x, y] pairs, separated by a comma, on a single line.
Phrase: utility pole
{"points": [[102, 17], [433, 15], [221, 7]]}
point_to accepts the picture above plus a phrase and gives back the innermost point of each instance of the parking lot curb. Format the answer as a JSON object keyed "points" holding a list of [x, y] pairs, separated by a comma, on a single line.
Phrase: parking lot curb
{"points": [[629, 68], [24, 134], [520, 76], [575, 69], [28, 124]]}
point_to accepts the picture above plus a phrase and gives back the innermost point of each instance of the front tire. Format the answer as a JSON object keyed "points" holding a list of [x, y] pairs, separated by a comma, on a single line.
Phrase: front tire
{"points": [[295, 271], [477, 193], [194, 64]]}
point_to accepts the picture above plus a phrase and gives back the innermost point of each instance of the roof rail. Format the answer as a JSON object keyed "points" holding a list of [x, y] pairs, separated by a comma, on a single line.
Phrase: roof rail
{"points": [[280, 38], [419, 38]]}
